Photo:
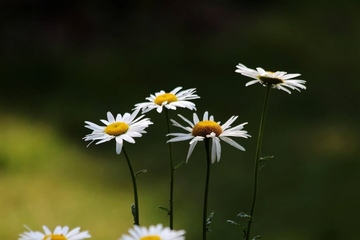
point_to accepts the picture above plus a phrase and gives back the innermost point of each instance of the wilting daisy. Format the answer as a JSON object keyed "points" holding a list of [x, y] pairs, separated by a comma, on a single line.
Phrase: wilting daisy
{"points": [[60, 233], [157, 232], [279, 80], [170, 100], [208, 128], [123, 127]]}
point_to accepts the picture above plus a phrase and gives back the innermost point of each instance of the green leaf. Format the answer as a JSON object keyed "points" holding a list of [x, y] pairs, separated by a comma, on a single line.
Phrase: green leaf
{"points": [[243, 228], [179, 165], [265, 160], [133, 212], [233, 222], [139, 172], [165, 209], [208, 221], [243, 215]]}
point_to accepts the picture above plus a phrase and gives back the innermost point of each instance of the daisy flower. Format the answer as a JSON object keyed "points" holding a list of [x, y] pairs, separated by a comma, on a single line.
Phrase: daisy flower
{"points": [[157, 232], [60, 233], [280, 80], [123, 127], [170, 100], [208, 128]]}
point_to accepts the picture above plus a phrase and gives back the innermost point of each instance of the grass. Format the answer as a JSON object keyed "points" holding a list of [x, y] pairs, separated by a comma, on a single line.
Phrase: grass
{"points": [[46, 180]]}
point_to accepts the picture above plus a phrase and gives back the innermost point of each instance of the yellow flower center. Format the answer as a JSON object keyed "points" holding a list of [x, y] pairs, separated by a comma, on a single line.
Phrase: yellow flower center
{"points": [[270, 80], [55, 237], [116, 128], [204, 128], [166, 97], [150, 238]]}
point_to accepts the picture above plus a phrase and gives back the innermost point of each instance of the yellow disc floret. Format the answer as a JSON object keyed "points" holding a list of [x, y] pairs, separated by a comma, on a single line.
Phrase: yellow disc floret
{"points": [[116, 128], [150, 238], [55, 237], [166, 97], [204, 128]]}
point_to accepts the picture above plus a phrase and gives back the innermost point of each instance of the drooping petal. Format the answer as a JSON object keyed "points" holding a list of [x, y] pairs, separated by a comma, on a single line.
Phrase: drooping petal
{"points": [[232, 143], [217, 146], [191, 149]]}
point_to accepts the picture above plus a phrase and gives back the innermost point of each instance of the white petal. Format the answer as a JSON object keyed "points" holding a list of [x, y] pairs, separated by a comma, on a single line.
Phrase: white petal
{"points": [[217, 147], [47, 230], [206, 115], [227, 124], [110, 117], [252, 82], [64, 230], [284, 89], [232, 143], [179, 138], [191, 149], [159, 109], [127, 138], [176, 124], [176, 90], [119, 144], [292, 75], [186, 120], [260, 70], [73, 232], [195, 119]]}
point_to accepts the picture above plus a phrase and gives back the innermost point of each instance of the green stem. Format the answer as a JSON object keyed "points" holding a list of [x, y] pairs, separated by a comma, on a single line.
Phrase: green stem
{"points": [[208, 164], [172, 172], [257, 160], [133, 178]]}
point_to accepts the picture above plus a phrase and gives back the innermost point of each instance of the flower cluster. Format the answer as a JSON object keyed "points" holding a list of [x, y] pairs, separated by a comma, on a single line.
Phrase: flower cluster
{"points": [[157, 232], [127, 126]]}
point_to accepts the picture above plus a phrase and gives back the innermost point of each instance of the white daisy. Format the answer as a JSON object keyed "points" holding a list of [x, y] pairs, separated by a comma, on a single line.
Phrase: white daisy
{"points": [[208, 128], [171, 100], [157, 232], [60, 233], [279, 80], [121, 128]]}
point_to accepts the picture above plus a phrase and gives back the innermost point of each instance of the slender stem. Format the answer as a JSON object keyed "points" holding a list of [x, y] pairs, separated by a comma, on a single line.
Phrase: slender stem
{"points": [[133, 178], [172, 171], [208, 164], [257, 160]]}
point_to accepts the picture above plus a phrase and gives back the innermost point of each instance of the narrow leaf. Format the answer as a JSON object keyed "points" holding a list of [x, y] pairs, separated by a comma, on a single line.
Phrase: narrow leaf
{"points": [[133, 212], [179, 165], [243, 215], [165, 209], [139, 172], [208, 221]]}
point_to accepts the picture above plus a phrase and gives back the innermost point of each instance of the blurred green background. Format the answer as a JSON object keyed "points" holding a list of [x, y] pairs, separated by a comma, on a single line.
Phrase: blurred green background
{"points": [[64, 62]]}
